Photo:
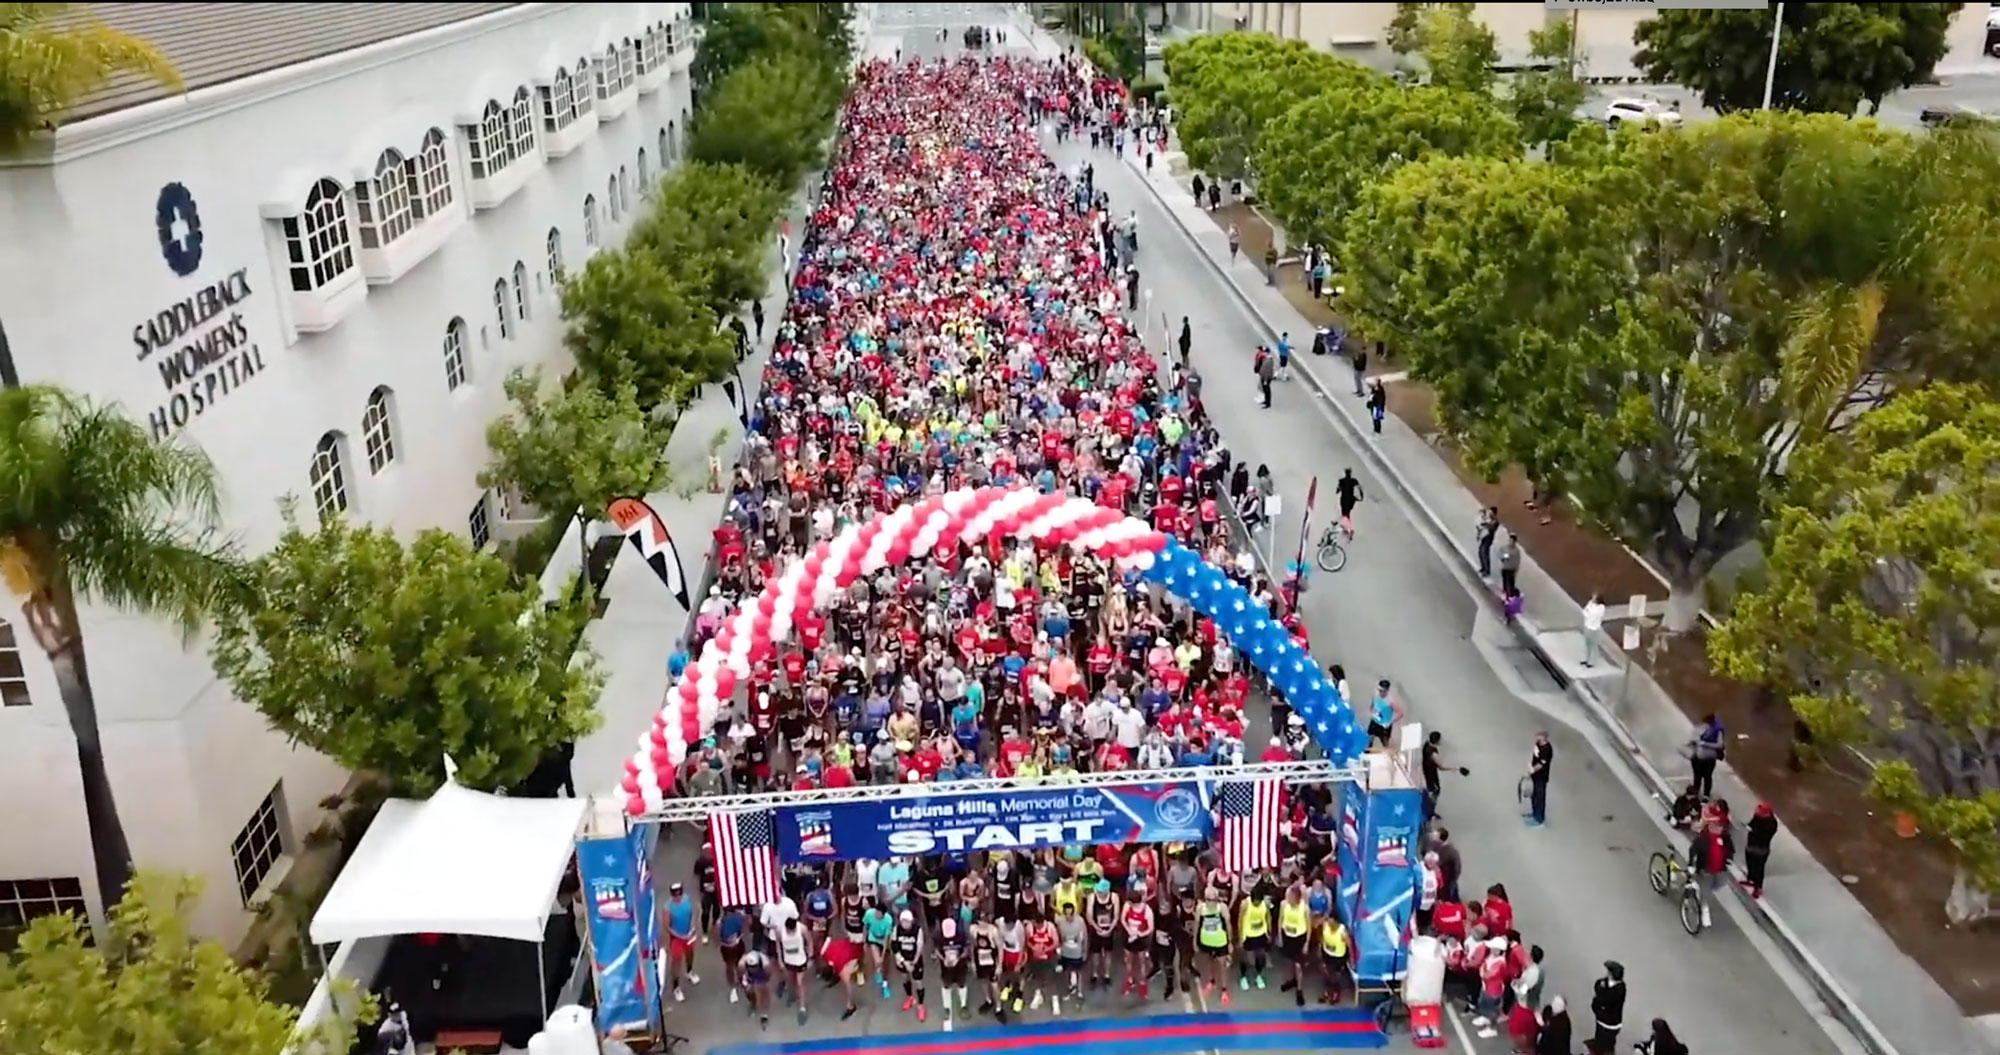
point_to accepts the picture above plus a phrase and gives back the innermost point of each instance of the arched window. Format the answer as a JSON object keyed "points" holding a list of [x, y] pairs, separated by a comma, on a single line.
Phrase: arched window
{"points": [[612, 202], [384, 204], [645, 178], [555, 255], [520, 291], [430, 183], [666, 150], [580, 83], [500, 311], [625, 188], [454, 355], [521, 122], [486, 146], [590, 220], [328, 478], [378, 434], [317, 244], [558, 103]]}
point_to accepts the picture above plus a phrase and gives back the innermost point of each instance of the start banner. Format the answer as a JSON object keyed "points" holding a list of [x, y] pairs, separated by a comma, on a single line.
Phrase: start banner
{"points": [[1024, 819]]}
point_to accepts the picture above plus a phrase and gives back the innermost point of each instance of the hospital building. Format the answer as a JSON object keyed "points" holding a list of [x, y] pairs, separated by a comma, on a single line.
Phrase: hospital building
{"points": [[317, 261]]}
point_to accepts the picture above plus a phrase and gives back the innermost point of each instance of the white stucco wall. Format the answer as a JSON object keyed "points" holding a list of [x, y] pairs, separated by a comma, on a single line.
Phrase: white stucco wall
{"points": [[81, 266]]}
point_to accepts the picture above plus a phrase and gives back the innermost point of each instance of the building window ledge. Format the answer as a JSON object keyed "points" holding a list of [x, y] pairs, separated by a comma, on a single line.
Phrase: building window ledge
{"points": [[613, 107], [680, 58], [561, 142], [650, 81], [490, 192], [322, 309], [391, 262]]}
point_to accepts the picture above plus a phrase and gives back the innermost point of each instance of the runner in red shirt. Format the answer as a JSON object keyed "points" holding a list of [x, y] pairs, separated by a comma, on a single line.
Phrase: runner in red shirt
{"points": [[843, 960]]}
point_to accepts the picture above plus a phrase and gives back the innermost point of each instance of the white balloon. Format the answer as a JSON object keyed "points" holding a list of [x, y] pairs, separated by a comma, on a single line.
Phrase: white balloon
{"points": [[822, 594], [707, 685]]}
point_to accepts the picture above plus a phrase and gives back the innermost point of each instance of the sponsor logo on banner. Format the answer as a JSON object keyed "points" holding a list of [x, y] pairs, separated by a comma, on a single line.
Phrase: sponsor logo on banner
{"points": [[1005, 820], [816, 835], [607, 899]]}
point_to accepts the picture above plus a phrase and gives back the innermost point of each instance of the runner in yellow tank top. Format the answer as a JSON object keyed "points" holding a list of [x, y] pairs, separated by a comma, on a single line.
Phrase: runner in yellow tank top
{"points": [[1333, 958], [1253, 926], [1294, 927]]}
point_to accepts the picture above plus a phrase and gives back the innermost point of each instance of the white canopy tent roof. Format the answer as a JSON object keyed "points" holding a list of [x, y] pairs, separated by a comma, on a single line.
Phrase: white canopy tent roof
{"points": [[462, 862]]}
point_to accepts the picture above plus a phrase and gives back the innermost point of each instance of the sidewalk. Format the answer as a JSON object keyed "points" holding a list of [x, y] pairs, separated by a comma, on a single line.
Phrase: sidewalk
{"points": [[642, 622], [1807, 911]]}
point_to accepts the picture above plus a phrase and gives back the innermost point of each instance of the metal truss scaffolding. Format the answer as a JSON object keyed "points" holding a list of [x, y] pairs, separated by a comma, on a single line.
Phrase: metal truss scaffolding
{"points": [[1309, 772]]}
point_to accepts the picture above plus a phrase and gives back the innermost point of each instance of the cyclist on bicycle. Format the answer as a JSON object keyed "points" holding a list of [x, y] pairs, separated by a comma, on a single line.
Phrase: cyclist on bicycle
{"points": [[1349, 490]]}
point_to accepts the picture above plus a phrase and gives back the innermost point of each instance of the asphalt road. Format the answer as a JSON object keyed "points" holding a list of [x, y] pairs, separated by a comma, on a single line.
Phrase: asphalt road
{"points": [[1578, 884]]}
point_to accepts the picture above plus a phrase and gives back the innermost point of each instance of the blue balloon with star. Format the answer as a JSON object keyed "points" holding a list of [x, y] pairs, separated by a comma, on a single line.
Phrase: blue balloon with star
{"points": [[1266, 644]]}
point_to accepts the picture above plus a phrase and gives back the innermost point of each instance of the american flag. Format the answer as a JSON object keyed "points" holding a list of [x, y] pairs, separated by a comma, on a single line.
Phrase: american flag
{"points": [[1249, 814], [746, 857]]}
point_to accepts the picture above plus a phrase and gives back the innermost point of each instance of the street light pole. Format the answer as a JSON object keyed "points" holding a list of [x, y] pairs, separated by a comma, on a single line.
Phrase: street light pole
{"points": [[1771, 67]]}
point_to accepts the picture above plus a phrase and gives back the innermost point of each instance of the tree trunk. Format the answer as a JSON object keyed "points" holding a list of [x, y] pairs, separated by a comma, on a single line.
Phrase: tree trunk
{"points": [[1683, 607], [109, 849]]}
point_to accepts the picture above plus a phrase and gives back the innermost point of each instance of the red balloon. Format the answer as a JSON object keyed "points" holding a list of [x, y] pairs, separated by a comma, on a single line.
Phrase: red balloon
{"points": [[851, 569], [725, 682], [691, 728], [767, 603], [658, 734], [635, 806], [630, 784], [899, 552], [663, 759]]}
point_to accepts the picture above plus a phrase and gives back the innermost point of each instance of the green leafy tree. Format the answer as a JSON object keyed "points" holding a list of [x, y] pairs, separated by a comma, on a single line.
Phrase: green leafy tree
{"points": [[1313, 162], [1879, 612], [1458, 50], [739, 34], [576, 448], [152, 989], [388, 658], [1229, 87], [711, 225], [832, 25], [54, 55], [1544, 99], [633, 322], [1654, 335], [772, 115], [1831, 57], [92, 508]]}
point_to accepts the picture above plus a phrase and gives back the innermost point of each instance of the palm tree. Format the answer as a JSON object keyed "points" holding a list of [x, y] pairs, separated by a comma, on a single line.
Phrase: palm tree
{"points": [[91, 507], [52, 56]]}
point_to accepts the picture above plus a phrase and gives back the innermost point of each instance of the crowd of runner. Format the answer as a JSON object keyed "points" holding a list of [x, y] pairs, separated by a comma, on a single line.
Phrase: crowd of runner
{"points": [[955, 322]]}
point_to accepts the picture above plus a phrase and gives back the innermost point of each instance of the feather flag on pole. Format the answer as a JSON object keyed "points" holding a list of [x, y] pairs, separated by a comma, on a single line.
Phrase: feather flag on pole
{"points": [[648, 534]]}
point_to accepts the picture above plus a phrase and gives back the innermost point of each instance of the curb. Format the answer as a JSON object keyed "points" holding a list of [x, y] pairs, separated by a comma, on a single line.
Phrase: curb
{"points": [[1828, 989]]}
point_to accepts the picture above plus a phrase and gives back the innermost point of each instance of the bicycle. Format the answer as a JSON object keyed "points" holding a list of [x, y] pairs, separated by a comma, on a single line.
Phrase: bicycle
{"points": [[1331, 555], [1662, 869]]}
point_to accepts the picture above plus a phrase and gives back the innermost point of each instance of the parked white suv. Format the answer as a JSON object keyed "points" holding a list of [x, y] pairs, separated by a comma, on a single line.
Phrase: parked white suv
{"points": [[1641, 112]]}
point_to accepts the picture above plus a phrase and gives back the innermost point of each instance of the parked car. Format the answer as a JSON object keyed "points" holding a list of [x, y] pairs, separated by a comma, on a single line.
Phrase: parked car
{"points": [[1641, 111]]}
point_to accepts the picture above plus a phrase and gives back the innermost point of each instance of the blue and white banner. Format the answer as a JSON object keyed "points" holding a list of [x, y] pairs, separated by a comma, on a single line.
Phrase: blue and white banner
{"points": [[1175, 812], [619, 910], [1378, 854]]}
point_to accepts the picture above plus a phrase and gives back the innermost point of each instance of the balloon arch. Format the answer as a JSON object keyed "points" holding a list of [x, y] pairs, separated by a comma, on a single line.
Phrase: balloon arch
{"points": [[755, 629]]}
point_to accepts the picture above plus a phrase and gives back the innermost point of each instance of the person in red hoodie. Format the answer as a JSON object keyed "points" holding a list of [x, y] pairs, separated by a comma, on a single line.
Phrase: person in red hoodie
{"points": [[1497, 917]]}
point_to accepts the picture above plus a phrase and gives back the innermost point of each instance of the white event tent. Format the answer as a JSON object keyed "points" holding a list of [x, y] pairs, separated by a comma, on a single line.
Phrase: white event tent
{"points": [[460, 862]]}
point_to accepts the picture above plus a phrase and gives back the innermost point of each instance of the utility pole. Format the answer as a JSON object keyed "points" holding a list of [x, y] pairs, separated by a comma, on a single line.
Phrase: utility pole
{"points": [[1771, 67]]}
